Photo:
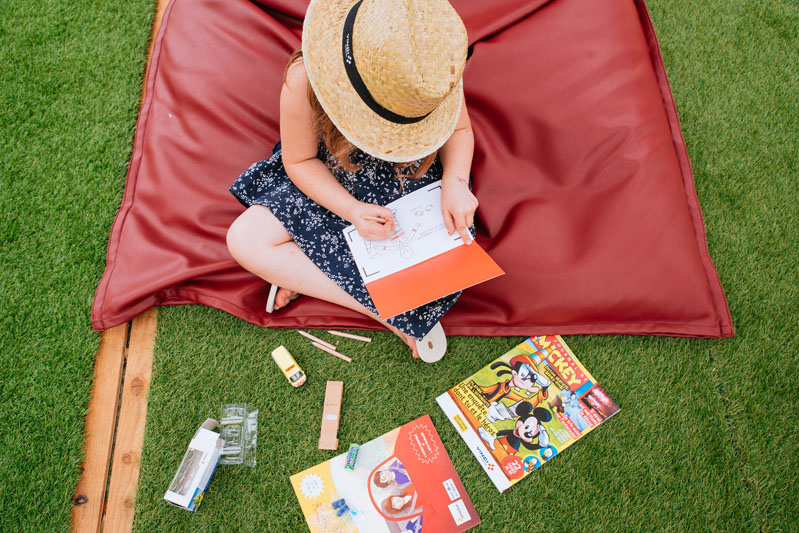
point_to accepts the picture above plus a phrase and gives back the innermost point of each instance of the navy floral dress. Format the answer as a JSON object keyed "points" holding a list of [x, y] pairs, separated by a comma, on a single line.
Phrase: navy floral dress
{"points": [[318, 231]]}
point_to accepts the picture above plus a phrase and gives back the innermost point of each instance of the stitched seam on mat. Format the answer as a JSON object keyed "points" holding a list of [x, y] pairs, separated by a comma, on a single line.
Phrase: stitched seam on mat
{"points": [[721, 307], [182, 292], [146, 109]]}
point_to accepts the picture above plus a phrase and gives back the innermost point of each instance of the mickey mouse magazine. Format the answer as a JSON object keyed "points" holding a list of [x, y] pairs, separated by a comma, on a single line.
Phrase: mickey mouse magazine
{"points": [[526, 407]]}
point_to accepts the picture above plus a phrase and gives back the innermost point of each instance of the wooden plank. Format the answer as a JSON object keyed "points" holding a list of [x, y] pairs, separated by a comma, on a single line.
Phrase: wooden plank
{"points": [[99, 431], [130, 426]]}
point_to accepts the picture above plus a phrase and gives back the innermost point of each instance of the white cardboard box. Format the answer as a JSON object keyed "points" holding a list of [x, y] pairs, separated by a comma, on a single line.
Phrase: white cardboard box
{"points": [[197, 467]]}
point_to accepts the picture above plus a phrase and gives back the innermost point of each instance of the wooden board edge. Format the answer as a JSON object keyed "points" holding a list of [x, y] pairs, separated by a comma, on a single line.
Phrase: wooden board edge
{"points": [[89, 493], [120, 503]]}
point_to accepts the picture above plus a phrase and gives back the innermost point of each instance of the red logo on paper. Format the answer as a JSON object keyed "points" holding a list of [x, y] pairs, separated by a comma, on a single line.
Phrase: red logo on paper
{"points": [[512, 466]]}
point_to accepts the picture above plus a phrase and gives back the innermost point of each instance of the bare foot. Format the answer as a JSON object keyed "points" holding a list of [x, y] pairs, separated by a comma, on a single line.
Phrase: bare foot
{"points": [[284, 297]]}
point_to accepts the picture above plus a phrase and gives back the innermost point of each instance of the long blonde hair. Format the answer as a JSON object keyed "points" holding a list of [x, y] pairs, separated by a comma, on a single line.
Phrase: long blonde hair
{"points": [[339, 146]]}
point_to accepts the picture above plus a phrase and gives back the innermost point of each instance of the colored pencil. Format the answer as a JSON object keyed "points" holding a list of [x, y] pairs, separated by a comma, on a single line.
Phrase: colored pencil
{"points": [[374, 219], [332, 352], [349, 336], [315, 339]]}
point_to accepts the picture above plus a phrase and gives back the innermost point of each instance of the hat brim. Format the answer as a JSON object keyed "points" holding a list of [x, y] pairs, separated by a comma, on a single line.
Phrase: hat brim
{"points": [[381, 138]]}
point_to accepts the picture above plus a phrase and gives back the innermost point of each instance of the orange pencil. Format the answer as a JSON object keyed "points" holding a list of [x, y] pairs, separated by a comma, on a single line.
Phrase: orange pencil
{"points": [[332, 352], [315, 339], [349, 336]]}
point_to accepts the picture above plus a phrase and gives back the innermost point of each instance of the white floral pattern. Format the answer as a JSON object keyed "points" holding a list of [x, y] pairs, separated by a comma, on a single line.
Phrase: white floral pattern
{"points": [[318, 231]]}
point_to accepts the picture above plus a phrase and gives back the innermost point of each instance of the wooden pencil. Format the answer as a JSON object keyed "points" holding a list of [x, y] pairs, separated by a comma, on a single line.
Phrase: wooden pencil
{"points": [[374, 219], [332, 352], [315, 339], [349, 336]]}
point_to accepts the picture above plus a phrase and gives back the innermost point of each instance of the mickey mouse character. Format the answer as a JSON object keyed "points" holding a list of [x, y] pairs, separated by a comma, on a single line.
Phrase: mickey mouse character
{"points": [[528, 428], [524, 377]]}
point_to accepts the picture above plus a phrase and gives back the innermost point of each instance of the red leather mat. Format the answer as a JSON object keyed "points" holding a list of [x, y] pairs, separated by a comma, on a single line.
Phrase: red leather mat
{"points": [[586, 193]]}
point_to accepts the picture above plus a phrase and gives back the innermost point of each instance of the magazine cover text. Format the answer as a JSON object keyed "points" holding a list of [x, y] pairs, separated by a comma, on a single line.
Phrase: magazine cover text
{"points": [[526, 407]]}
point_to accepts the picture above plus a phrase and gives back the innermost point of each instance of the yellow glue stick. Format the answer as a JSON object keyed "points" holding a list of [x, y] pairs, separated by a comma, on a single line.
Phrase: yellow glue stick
{"points": [[288, 366]]}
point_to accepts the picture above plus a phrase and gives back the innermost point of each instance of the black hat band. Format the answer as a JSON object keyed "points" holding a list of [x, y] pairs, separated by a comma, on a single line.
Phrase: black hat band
{"points": [[357, 81]]}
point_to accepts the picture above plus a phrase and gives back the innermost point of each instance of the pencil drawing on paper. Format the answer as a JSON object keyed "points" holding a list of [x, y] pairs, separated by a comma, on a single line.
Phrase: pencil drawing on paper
{"points": [[420, 234]]}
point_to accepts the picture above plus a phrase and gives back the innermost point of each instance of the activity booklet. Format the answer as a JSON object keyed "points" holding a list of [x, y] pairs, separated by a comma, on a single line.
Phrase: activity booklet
{"points": [[421, 262], [401, 482], [526, 407]]}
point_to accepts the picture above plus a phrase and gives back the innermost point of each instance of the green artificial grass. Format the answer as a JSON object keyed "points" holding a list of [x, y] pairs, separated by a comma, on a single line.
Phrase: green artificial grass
{"points": [[70, 83], [667, 457], [706, 438]]}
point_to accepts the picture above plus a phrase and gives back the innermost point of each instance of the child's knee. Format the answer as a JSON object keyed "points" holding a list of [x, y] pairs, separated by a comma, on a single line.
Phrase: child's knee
{"points": [[252, 232], [238, 235]]}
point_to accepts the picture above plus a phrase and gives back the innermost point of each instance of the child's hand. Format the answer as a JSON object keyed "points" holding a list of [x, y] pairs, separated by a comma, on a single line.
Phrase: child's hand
{"points": [[458, 205], [363, 217]]}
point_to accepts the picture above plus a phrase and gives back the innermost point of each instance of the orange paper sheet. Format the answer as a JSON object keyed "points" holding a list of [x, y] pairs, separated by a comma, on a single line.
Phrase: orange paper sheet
{"points": [[434, 278]]}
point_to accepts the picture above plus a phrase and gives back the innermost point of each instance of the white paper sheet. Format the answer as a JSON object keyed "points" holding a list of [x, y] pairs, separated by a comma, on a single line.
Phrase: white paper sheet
{"points": [[420, 234]]}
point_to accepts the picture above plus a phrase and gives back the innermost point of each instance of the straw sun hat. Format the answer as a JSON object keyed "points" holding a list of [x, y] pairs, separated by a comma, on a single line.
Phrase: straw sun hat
{"points": [[388, 73]]}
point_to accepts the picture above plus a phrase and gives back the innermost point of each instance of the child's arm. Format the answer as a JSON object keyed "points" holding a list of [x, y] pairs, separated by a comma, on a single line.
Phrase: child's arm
{"points": [[458, 204], [298, 141]]}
